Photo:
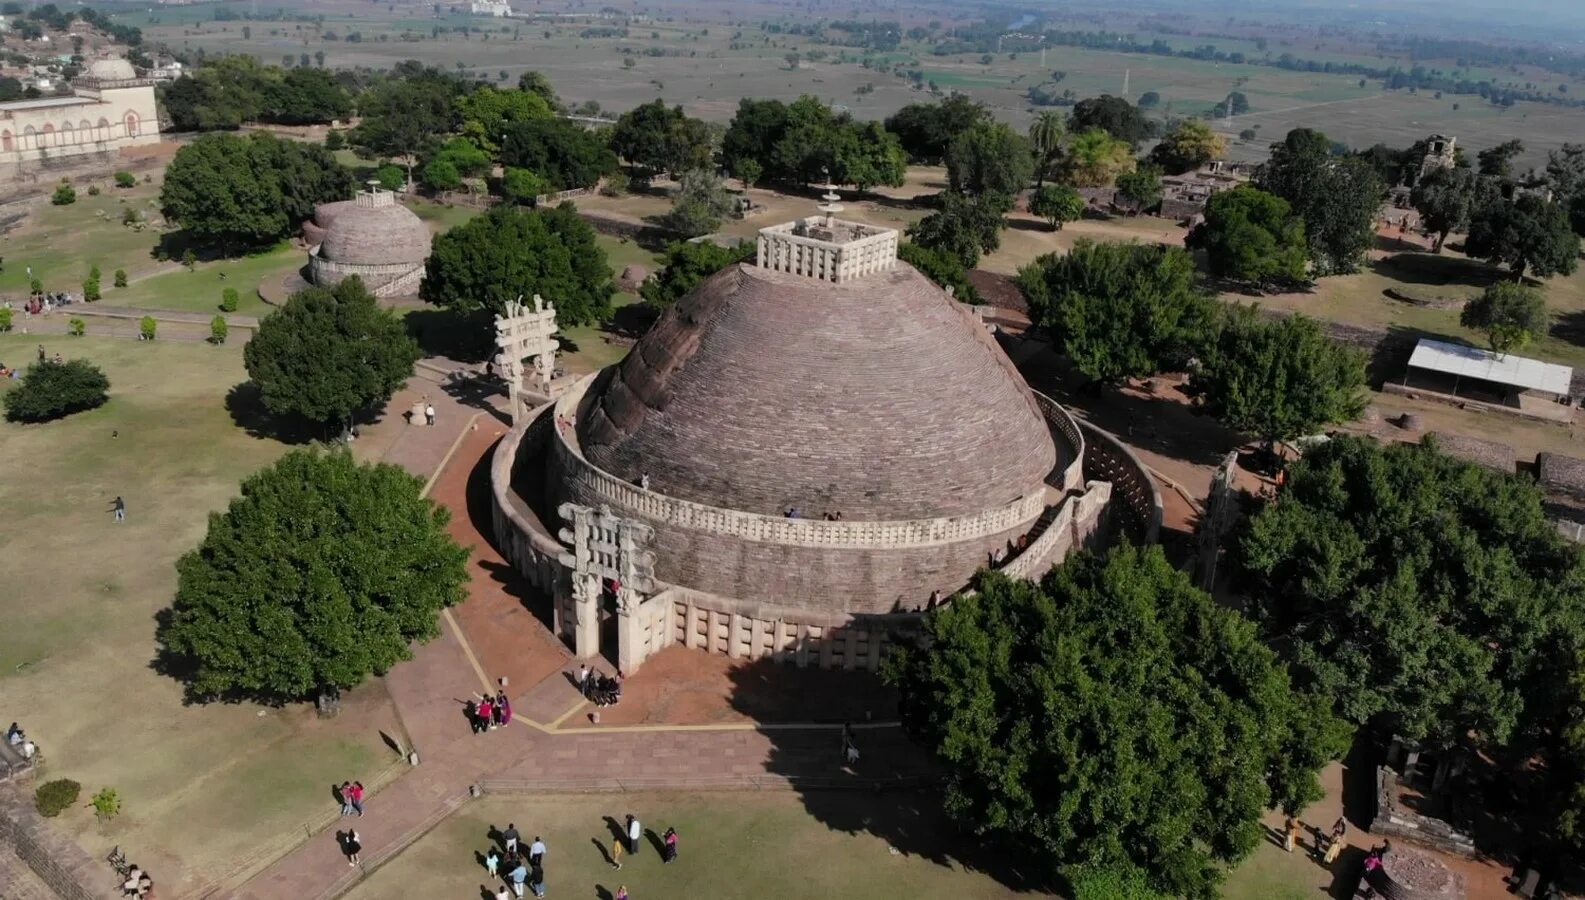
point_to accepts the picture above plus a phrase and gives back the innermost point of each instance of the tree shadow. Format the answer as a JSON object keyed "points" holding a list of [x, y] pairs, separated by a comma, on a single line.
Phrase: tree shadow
{"points": [[1387, 350], [1347, 869], [480, 392], [1437, 269], [1570, 326], [465, 337], [1037, 225], [481, 512], [246, 406], [631, 321]]}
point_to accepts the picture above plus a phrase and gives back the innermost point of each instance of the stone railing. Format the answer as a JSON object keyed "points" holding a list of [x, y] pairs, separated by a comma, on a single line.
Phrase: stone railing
{"points": [[1134, 494], [888, 534], [523, 542], [1064, 425], [1077, 519], [375, 277], [781, 250], [57, 861]]}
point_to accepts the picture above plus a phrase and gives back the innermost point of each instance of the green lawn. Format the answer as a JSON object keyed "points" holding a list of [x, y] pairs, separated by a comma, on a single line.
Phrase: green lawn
{"points": [[62, 243], [206, 789], [200, 289]]}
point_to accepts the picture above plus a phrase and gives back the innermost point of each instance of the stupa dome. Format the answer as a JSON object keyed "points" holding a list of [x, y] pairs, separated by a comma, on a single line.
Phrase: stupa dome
{"points": [[112, 70], [377, 233], [876, 397]]}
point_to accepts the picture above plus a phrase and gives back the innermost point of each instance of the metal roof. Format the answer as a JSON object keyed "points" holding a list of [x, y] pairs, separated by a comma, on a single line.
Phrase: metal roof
{"points": [[1473, 362]]}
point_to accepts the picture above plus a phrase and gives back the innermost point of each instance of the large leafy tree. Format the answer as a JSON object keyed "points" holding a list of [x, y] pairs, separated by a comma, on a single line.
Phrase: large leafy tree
{"points": [[699, 205], [305, 96], [1141, 189], [867, 155], [1279, 380], [926, 130], [1528, 234], [238, 192], [1509, 313], [1113, 115], [989, 158], [946, 270], [1497, 162], [511, 252], [1056, 203], [563, 153], [1188, 146], [1119, 310], [1336, 197], [658, 138], [753, 134], [402, 117], [687, 264], [1096, 159], [1445, 198], [319, 575], [486, 112], [964, 228], [50, 390], [329, 353], [1112, 719], [1415, 589], [1253, 237]]}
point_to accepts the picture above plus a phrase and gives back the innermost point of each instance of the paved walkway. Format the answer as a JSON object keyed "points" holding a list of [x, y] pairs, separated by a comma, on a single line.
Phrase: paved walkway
{"points": [[551, 744]]}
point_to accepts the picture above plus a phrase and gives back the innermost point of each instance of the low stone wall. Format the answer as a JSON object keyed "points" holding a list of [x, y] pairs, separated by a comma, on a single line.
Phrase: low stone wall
{"points": [[718, 625], [1069, 440], [56, 860], [1393, 819], [535, 554], [381, 280], [1136, 501], [1079, 522]]}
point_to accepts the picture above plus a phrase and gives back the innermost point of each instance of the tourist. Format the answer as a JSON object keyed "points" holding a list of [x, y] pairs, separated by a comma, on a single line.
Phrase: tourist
{"points": [[41, 352], [346, 797], [536, 851], [503, 705], [352, 846], [14, 734], [492, 861], [583, 680], [503, 894], [1291, 833], [1334, 845], [616, 852], [471, 710], [519, 876], [497, 714], [486, 714], [120, 507], [634, 832], [643, 481], [536, 880], [669, 845], [621, 892], [429, 414], [510, 837], [357, 797]]}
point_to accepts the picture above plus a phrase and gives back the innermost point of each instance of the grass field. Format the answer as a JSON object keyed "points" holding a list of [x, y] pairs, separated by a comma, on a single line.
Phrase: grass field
{"points": [[206, 790], [62, 243], [200, 290]]}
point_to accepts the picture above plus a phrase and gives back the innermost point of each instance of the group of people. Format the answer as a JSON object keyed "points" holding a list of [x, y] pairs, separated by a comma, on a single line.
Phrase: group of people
{"points": [[518, 872], [40, 304], [138, 883], [486, 712], [351, 793], [1335, 840], [601, 689], [18, 740]]}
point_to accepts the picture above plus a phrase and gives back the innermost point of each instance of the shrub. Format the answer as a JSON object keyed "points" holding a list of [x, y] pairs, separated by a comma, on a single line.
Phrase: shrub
{"points": [[91, 290], [217, 330], [125, 179], [130, 216], [5, 318], [106, 804], [229, 300], [36, 286], [121, 278], [55, 797], [335, 141], [94, 273], [146, 328], [64, 195], [390, 177], [76, 327], [93, 190], [615, 184], [51, 389], [189, 259]]}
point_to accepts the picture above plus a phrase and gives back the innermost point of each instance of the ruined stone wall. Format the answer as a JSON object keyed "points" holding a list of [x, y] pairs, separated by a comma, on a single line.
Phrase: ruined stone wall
{"points": [[56, 860]]}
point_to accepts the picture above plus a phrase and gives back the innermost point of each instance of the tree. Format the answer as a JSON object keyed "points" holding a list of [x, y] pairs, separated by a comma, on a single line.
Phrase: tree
{"points": [[402, 116], [486, 110], [305, 97], [91, 291], [1415, 588], [1112, 719], [391, 178], [125, 179], [1279, 380], [661, 139], [1119, 310], [50, 390], [1046, 134], [1445, 199], [440, 174], [687, 264], [964, 228], [1095, 159], [246, 192], [1527, 234], [1188, 146], [218, 330], [753, 134], [230, 299], [866, 155], [749, 171], [1113, 115], [989, 159], [699, 205], [521, 186], [1056, 203], [1510, 314], [1497, 162], [926, 130], [536, 83], [1140, 189], [944, 269], [119, 279], [1338, 198], [563, 153], [329, 354], [511, 252], [1253, 237], [65, 194], [1565, 171], [320, 574]]}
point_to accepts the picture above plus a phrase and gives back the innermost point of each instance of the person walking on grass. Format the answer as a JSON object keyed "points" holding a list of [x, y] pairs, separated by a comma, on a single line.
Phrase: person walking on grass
{"points": [[519, 878], [346, 797], [510, 837], [119, 506], [616, 851], [492, 861], [536, 852], [669, 845], [536, 880], [621, 892], [634, 832], [502, 893]]}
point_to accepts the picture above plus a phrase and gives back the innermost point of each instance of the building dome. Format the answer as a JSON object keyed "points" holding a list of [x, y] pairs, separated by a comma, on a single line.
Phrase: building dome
{"points": [[877, 397], [112, 70], [387, 233]]}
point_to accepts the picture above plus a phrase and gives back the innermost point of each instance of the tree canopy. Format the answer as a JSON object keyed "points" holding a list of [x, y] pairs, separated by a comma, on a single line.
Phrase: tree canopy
{"points": [[1253, 237], [989, 158], [946, 270], [1141, 189], [228, 91], [320, 574], [661, 139], [926, 130], [687, 264], [1445, 198], [1095, 159], [1111, 719], [1188, 146], [1510, 314], [50, 390], [511, 252], [1337, 198], [1281, 379], [1119, 310], [238, 192], [1528, 234], [1416, 588], [563, 153], [807, 142], [329, 353], [964, 228], [699, 205], [1056, 203], [1113, 115]]}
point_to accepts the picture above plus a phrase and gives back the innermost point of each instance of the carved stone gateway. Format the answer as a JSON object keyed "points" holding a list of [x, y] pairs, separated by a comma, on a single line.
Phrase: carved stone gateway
{"points": [[520, 333], [606, 548]]}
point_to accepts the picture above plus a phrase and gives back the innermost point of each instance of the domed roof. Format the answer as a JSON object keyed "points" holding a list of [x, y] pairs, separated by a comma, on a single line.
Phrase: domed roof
{"points": [[112, 70], [878, 397], [363, 233]]}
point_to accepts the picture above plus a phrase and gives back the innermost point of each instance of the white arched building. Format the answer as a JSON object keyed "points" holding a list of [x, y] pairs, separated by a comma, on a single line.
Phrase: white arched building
{"points": [[111, 108]]}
